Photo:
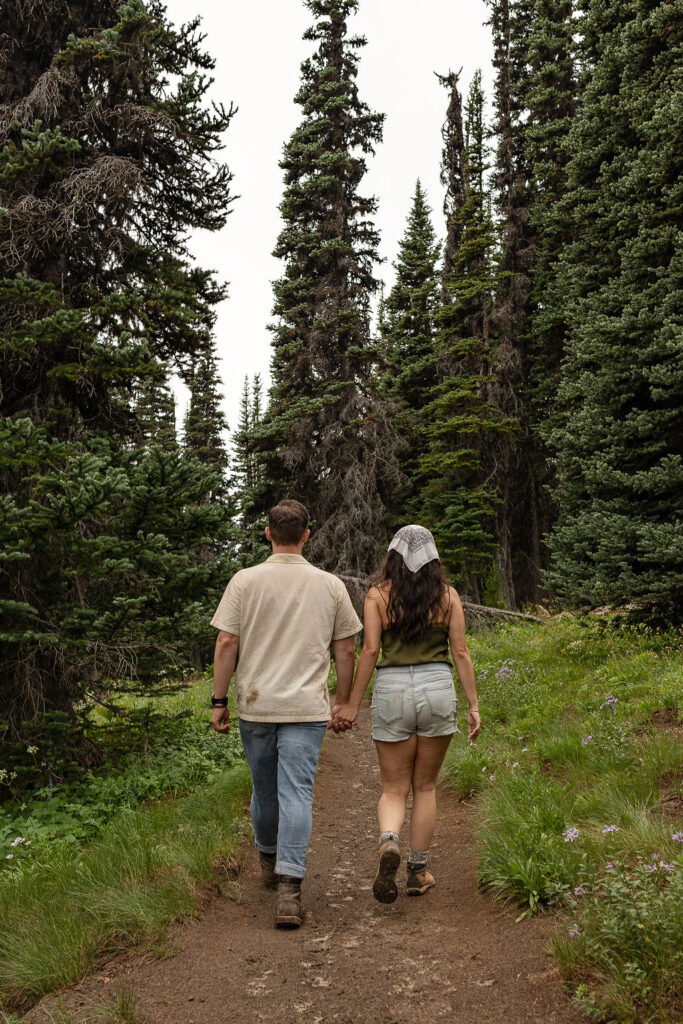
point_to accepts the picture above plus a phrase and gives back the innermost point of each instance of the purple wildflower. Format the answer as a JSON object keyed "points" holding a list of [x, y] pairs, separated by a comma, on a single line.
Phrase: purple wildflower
{"points": [[586, 740], [668, 868], [570, 834], [609, 865], [650, 868], [609, 702], [574, 931], [610, 828], [579, 890], [677, 837]]}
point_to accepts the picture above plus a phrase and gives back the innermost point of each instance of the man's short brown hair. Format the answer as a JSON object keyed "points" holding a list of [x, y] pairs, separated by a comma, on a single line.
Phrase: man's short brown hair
{"points": [[288, 521]]}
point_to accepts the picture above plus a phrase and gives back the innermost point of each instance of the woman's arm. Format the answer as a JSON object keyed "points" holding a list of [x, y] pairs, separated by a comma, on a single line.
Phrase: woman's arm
{"points": [[463, 664], [372, 625]]}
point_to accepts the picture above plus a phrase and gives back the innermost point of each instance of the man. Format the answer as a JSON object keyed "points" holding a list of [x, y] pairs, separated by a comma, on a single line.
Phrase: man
{"points": [[281, 616]]}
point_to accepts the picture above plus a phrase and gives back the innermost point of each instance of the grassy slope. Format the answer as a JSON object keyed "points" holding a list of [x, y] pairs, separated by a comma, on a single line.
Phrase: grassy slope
{"points": [[579, 734]]}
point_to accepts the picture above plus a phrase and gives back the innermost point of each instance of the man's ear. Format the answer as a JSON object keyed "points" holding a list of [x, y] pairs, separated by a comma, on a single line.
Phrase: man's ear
{"points": [[268, 537], [307, 534]]}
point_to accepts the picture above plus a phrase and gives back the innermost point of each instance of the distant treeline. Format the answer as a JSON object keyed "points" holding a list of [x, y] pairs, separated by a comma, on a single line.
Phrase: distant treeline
{"points": [[519, 392]]}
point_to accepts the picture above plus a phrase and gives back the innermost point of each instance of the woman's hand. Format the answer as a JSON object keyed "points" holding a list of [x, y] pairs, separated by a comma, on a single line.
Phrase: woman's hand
{"points": [[473, 724], [344, 716]]}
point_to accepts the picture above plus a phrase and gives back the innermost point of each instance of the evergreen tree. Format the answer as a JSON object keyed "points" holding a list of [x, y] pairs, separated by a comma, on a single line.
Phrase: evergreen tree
{"points": [[407, 324], [205, 422], [105, 166], [519, 469], [457, 502], [155, 412], [619, 535], [326, 439], [106, 161], [248, 476], [452, 175]]}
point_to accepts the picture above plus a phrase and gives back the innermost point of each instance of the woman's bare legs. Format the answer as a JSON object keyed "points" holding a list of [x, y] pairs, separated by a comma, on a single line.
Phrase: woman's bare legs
{"points": [[431, 750], [396, 766]]}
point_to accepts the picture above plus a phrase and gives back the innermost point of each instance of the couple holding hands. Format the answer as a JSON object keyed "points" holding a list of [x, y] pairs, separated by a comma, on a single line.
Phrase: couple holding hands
{"points": [[281, 617]]}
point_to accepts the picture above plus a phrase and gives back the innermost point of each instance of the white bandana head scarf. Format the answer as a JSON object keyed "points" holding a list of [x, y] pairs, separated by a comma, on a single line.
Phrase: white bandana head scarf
{"points": [[416, 546]]}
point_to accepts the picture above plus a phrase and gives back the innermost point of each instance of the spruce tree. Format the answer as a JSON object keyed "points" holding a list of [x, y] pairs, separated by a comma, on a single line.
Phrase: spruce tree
{"points": [[617, 437], [155, 412], [457, 501], [106, 161], [205, 421], [407, 325], [519, 468], [326, 439], [452, 175], [248, 476]]}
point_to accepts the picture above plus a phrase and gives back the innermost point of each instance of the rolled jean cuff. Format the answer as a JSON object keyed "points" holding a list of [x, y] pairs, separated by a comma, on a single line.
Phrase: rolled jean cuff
{"points": [[285, 867], [266, 849]]}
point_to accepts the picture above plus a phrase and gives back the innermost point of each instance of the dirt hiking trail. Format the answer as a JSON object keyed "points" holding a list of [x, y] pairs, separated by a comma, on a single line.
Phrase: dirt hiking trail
{"points": [[451, 954]]}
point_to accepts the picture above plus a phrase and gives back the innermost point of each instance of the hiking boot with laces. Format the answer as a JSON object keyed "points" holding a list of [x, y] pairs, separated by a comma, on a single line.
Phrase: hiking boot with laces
{"points": [[419, 879], [289, 912], [384, 887], [268, 876]]}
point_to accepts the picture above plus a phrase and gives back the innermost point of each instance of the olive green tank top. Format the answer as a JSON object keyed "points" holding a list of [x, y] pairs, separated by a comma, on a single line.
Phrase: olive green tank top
{"points": [[433, 648]]}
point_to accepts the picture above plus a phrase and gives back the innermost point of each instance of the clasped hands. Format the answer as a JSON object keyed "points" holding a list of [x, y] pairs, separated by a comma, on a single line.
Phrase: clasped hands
{"points": [[343, 717]]}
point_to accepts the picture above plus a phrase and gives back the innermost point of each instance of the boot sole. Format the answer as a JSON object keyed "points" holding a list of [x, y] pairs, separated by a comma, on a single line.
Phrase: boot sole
{"points": [[384, 888], [288, 922]]}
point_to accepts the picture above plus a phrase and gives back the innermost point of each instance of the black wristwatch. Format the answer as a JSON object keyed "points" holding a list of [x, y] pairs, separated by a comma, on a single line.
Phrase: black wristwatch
{"points": [[218, 702]]}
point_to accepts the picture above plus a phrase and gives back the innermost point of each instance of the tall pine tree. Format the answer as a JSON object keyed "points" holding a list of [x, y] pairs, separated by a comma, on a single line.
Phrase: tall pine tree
{"points": [[107, 159], [619, 535], [326, 437], [205, 422], [457, 499], [408, 331]]}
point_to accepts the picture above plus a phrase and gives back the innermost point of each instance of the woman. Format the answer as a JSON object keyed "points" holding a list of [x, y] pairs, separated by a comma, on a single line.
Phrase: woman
{"points": [[411, 613]]}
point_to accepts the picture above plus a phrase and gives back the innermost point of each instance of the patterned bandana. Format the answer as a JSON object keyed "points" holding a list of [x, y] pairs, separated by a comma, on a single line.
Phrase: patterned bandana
{"points": [[416, 546]]}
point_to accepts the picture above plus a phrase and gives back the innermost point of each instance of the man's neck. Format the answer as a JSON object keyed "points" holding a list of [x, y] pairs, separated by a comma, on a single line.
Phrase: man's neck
{"points": [[287, 549]]}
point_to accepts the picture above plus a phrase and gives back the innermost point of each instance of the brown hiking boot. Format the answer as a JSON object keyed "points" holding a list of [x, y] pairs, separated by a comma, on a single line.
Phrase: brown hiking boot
{"points": [[289, 912], [384, 887], [268, 876], [419, 880]]}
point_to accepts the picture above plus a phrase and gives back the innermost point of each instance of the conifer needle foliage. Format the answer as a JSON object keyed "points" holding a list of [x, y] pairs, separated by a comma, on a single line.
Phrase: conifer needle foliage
{"points": [[326, 439], [107, 160]]}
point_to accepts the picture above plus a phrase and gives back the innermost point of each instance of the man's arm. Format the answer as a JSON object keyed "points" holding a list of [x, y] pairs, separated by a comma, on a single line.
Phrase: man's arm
{"points": [[344, 659], [224, 658]]}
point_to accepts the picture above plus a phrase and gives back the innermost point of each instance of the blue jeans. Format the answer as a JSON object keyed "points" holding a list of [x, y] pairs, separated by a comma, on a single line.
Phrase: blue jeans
{"points": [[283, 761]]}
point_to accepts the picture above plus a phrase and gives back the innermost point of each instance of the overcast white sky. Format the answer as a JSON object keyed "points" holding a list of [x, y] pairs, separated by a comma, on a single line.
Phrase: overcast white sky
{"points": [[258, 50]]}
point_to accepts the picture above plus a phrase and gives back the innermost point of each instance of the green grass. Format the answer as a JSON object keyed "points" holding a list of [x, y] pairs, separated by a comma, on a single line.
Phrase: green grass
{"points": [[70, 906], [157, 748], [568, 742]]}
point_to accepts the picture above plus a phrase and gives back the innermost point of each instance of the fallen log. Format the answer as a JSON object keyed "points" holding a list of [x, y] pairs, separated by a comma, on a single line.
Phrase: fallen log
{"points": [[482, 611], [474, 613]]}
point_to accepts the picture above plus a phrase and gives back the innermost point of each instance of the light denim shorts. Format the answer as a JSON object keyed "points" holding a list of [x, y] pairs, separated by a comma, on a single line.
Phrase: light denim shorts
{"points": [[411, 699]]}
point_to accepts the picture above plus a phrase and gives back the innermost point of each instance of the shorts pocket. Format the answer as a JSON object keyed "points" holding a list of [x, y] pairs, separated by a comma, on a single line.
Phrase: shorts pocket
{"points": [[388, 705], [441, 700]]}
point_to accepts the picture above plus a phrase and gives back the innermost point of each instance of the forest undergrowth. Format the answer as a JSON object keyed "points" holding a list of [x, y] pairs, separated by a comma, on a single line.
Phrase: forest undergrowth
{"points": [[578, 774]]}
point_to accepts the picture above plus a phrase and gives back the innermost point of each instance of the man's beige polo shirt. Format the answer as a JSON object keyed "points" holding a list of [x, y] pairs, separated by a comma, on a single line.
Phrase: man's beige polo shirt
{"points": [[286, 613]]}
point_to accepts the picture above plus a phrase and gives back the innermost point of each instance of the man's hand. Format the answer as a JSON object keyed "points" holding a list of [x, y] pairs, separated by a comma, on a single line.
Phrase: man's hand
{"points": [[473, 725], [220, 719], [343, 717]]}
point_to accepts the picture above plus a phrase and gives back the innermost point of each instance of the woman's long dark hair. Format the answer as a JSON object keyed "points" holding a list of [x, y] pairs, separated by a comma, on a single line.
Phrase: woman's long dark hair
{"points": [[415, 598]]}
